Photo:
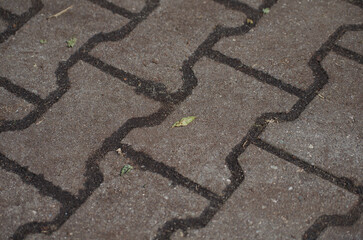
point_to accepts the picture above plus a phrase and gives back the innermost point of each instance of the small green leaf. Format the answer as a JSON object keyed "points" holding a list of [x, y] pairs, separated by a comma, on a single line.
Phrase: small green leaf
{"points": [[266, 10], [125, 169], [71, 42], [43, 41], [249, 21], [184, 121]]}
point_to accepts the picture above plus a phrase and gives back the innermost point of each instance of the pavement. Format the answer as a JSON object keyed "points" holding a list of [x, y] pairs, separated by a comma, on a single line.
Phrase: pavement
{"points": [[87, 148]]}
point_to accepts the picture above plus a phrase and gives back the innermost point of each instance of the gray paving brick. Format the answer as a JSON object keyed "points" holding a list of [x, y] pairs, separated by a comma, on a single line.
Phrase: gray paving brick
{"points": [[132, 216], [32, 65], [17, 7], [349, 233], [274, 152], [352, 41], [11, 107], [292, 201], [329, 133], [20, 204], [156, 49], [65, 128], [287, 36], [193, 150]]}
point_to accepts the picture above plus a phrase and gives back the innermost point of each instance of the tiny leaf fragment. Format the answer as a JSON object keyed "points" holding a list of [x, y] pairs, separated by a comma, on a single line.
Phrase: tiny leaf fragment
{"points": [[119, 151], [249, 21], [125, 169], [184, 121], [266, 10], [43, 41], [71, 42]]}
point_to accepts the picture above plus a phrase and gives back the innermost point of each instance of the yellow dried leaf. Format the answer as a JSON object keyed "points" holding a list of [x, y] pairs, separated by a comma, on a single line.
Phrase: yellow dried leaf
{"points": [[184, 121]]}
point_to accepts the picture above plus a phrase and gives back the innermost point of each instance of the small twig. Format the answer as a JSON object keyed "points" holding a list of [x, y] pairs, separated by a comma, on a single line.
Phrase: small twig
{"points": [[39, 122], [60, 13], [321, 96]]}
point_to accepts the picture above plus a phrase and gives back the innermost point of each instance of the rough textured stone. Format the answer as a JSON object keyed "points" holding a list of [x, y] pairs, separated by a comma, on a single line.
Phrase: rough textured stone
{"points": [[275, 150]]}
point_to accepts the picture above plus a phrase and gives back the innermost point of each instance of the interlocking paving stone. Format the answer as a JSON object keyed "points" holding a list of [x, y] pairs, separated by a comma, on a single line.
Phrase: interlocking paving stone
{"points": [[351, 232], [66, 127], [273, 154], [132, 216], [287, 37], [156, 49], [352, 41], [18, 7], [20, 204], [32, 65], [289, 202], [329, 133], [193, 150], [12, 107]]}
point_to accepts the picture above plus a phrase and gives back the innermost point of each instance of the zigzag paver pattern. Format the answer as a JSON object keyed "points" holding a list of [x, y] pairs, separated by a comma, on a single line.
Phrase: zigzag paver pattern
{"points": [[275, 151]]}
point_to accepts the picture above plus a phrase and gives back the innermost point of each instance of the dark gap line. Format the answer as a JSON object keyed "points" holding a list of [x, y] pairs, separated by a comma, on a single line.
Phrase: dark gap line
{"points": [[21, 92], [15, 21], [238, 6], [155, 91], [149, 164], [8, 16], [45, 187], [325, 221], [257, 74], [347, 53], [114, 8], [341, 182]]}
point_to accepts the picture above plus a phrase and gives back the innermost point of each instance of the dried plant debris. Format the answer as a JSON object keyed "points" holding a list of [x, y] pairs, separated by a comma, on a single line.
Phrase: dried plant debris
{"points": [[60, 13], [249, 21], [266, 10], [184, 121], [71, 42], [125, 169], [119, 151]]}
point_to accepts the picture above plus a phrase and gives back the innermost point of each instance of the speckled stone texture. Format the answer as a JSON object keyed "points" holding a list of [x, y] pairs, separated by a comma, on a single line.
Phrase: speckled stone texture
{"points": [[275, 151]]}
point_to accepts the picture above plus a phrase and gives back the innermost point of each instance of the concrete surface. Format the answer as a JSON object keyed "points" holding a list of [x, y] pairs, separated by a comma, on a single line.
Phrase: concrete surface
{"points": [[274, 153]]}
